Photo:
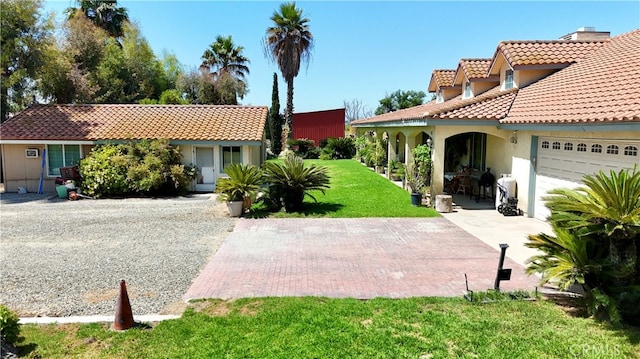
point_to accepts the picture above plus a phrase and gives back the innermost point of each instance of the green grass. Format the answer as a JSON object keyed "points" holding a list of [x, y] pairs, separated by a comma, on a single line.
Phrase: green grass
{"points": [[356, 192], [346, 328]]}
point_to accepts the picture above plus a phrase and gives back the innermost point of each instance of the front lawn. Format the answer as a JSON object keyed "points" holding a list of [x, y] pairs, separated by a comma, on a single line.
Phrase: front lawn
{"points": [[345, 328], [357, 191]]}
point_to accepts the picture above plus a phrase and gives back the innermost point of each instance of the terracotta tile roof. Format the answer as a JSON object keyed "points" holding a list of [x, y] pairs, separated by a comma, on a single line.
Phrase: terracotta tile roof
{"points": [[554, 52], [473, 69], [118, 122], [602, 87], [441, 78], [411, 113], [493, 104]]}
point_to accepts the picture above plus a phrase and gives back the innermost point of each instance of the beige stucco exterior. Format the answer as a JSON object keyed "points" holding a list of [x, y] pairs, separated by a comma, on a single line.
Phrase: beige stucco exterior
{"points": [[20, 171]]}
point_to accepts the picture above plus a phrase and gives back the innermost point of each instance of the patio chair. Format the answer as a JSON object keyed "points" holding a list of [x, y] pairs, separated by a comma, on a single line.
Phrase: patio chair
{"points": [[464, 184]]}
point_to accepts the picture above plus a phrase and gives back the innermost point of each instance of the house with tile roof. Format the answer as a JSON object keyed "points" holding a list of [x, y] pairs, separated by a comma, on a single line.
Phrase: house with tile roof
{"points": [[543, 113], [43, 138]]}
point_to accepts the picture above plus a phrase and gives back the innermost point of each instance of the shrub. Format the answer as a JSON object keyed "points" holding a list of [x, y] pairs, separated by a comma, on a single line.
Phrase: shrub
{"points": [[148, 167], [104, 171], [9, 326], [595, 244], [304, 148], [292, 180], [340, 148]]}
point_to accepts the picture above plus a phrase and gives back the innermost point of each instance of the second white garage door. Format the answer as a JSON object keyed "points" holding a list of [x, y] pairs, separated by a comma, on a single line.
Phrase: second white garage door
{"points": [[563, 162]]}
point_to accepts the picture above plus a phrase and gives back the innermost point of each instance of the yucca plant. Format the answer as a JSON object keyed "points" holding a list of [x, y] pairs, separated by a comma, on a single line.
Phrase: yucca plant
{"points": [[243, 183], [293, 180]]}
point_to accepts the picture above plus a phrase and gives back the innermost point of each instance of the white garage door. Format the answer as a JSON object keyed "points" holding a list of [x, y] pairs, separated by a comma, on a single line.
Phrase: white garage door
{"points": [[563, 162]]}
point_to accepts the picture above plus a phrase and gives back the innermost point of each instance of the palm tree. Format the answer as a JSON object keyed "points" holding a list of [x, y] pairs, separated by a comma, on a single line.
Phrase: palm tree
{"points": [[289, 43], [103, 13], [224, 63]]}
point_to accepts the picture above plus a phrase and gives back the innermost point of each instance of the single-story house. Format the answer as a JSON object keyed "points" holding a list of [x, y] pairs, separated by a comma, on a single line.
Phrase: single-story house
{"points": [[319, 125], [544, 113], [43, 138]]}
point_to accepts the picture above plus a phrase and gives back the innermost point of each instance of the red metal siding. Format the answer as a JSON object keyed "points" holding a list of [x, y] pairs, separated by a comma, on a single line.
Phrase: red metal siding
{"points": [[319, 125]]}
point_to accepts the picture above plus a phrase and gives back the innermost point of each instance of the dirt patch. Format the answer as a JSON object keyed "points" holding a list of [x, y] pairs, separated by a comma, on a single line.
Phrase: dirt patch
{"points": [[214, 308], [570, 303], [251, 309]]}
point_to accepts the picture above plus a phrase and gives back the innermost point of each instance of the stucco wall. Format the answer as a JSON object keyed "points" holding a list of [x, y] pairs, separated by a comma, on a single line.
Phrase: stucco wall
{"points": [[20, 171]]}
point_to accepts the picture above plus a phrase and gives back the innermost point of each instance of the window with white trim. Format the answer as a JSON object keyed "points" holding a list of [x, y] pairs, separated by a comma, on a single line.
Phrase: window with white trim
{"points": [[230, 154], [612, 150], [62, 156], [439, 97], [545, 144], [568, 146], [508, 79], [467, 90], [556, 145], [596, 148]]}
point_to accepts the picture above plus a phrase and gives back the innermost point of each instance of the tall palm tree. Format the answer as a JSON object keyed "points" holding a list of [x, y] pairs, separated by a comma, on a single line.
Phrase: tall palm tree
{"points": [[289, 43], [224, 63], [103, 13]]}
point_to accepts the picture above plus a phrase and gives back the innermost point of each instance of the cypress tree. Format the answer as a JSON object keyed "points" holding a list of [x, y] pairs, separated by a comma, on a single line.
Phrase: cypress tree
{"points": [[275, 119]]}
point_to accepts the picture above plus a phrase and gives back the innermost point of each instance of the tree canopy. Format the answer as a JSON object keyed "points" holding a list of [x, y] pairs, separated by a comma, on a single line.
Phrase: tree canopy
{"points": [[289, 43], [399, 100], [25, 36]]}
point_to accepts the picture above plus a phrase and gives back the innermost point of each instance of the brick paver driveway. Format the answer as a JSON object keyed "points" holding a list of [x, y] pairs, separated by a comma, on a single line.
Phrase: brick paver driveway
{"points": [[361, 258]]}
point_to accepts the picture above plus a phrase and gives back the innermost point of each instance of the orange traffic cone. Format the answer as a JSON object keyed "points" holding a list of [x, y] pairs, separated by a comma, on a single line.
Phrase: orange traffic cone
{"points": [[124, 317]]}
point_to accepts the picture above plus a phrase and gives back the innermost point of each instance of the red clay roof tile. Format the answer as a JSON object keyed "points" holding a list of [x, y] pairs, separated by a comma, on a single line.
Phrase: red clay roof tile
{"points": [[601, 87], [119, 122], [441, 78]]}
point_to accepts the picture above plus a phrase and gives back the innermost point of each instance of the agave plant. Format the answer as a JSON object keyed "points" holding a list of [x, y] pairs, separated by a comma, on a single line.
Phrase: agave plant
{"points": [[293, 180], [243, 183]]}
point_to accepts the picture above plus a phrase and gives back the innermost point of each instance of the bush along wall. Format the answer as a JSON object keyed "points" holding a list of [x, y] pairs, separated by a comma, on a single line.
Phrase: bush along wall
{"points": [[143, 168]]}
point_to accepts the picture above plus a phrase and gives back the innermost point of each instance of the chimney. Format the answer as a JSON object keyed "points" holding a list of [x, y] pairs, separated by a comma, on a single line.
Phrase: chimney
{"points": [[587, 33]]}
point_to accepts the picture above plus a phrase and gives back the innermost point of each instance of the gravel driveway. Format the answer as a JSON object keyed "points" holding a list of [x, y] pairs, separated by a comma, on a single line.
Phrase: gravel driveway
{"points": [[63, 258]]}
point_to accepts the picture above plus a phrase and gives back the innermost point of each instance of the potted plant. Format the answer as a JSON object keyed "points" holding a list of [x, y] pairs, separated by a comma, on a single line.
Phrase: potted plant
{"points": [[379, 156], [415, 183], [240, 188]]}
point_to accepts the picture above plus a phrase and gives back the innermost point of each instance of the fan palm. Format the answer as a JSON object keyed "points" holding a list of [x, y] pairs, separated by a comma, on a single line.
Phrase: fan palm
{"points": [[293, 180], [223, 61], [103, 13], [289, 43]]}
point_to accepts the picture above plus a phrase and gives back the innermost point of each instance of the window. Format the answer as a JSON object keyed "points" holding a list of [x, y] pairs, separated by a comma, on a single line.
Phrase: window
{"points": [[568, 146], [556, 145], [62, 156], [545, 144], [596, 148], [612, 150], [439, 97], [230, 154], [582, 147], [467, 90], [508, 79], [631, 151]]}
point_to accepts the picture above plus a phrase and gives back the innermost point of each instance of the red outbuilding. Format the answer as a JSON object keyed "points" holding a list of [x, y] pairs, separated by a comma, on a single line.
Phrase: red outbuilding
{"points": [[319, 125]]}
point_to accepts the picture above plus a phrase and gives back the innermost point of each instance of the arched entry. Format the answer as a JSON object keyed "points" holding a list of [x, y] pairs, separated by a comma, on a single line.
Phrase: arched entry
{"points": [[466, 150]]}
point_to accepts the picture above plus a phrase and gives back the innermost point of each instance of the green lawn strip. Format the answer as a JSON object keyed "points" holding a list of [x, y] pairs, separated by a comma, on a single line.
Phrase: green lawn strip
{"points": [[357, 192], [347, 328]]}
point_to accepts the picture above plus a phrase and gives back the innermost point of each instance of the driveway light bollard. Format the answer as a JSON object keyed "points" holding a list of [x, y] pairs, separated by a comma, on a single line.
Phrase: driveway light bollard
{"points": [[503, 274]]}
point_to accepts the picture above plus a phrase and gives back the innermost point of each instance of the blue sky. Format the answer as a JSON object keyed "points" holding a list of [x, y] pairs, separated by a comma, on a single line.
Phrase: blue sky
{"points": [[365, 49]]}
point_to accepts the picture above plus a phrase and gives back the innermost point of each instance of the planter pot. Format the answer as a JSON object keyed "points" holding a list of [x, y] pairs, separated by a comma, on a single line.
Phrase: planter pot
{"points": [[235, 208], [416, 199], [380, 169]]}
